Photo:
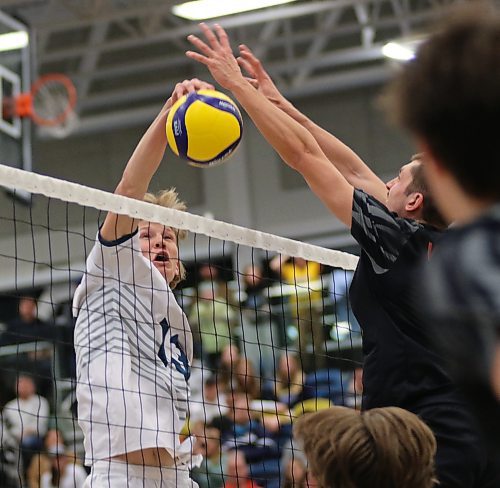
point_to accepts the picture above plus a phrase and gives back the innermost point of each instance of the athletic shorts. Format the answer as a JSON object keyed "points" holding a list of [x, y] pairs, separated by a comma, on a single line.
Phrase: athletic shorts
{"points": [[113, 474]]}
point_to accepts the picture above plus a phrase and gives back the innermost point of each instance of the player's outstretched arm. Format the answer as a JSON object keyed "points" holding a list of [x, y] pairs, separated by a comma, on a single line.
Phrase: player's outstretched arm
{"points": [[144, 162], [294, 143], [352, 167]]}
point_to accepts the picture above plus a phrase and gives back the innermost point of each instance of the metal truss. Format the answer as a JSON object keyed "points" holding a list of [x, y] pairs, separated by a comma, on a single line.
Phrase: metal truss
{"points": [[125, 55]]}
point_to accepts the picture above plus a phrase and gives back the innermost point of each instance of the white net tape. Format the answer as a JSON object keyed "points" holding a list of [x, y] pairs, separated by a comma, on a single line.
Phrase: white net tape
{"points": [[91, 197]]}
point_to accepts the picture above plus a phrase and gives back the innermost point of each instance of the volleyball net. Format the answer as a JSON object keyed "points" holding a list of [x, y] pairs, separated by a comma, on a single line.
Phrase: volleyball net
{"points": [[273, 335]]}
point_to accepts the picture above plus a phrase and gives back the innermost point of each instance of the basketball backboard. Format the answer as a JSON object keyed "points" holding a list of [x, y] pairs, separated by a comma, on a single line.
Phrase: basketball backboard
{"points": [[15, 133]]}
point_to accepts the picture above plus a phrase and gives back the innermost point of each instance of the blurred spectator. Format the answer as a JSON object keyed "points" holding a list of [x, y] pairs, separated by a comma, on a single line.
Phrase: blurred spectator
{"points": [[229, 358], [338, 291], [27, 417], [67, 421], [26, 327], [289, 381], [259, 329], [55, 467], [65, 473], [246, 380], [294, 464], [210, 473], [237, 373], [212, 319], [305, 305], [40, 462], [10, 476], [257, 439], [213, 403], [237, 472]]}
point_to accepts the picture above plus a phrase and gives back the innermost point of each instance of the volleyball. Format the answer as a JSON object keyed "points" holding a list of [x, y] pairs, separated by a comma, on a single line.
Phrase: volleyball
{"points": [[204, 127]]}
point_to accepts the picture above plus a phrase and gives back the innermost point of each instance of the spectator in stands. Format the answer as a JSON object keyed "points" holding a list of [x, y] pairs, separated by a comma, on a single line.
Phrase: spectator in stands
{"points": [[289, 379], [26, 327], [212, 319], [379, 448], [41, 463], [27, 417], [245, 432], [207, 273], [245, 379], [55, 467], [338, 290], [294, 469], [237, 472], [10, 477], [213, 403], [210, 473], [237, 373], [305, 305], [230, 355], [64, 473], [259, 330]]}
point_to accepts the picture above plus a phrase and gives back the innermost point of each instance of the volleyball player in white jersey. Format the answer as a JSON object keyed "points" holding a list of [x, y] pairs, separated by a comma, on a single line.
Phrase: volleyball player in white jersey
{"points": [[133, 343]]}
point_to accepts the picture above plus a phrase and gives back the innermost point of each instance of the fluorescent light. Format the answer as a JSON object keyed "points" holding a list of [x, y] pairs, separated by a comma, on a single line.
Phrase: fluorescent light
{"points": [[403, 49], [401, 52], [13, 40], [209, 9]]}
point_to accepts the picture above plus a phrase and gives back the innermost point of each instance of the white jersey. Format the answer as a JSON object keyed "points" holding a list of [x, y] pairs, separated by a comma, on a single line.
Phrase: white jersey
{"points": [[133, 350]]}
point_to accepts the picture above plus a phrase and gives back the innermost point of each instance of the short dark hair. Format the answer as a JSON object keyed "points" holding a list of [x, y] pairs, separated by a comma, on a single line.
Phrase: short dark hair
{"points": [[379, 448], [449, 95], [430, 213]]}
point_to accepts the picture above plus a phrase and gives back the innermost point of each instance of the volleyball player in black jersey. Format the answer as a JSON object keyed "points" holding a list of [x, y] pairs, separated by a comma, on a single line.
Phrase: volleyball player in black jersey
{"points": [[455, 114], [390, 222]]}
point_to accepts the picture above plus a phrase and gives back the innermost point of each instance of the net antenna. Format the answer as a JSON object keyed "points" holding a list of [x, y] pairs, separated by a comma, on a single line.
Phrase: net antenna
{"points": [[50, 104]]}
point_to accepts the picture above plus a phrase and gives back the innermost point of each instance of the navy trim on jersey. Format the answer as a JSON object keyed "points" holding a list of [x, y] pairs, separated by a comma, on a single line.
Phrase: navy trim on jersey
{"points": [[116, 242]]}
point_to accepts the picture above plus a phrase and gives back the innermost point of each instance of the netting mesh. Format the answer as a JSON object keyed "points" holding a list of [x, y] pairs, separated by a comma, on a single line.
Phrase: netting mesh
{"points": [[259, 332]]}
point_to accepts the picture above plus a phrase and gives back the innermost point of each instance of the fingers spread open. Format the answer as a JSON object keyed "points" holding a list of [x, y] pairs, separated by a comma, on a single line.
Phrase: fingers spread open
{"points": [[246, 66], [198, 57], [200, 45], [250, 58], [223, 38], [211, 37]]}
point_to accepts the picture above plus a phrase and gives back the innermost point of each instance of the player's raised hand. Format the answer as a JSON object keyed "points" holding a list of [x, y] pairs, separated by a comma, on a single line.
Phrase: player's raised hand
{"points": [[184, 87], [189, 86], [259, 76], [217, 56]]}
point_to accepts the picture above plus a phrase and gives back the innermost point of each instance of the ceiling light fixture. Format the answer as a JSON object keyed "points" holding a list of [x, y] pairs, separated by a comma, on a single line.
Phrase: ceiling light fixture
{"points": [[209, 9], [400, 52], [403, 49], [13, 40]]}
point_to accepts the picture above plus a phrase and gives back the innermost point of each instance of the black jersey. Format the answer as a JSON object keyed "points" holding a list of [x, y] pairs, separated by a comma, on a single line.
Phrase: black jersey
{"points": [[401, 367], [464, 299]]}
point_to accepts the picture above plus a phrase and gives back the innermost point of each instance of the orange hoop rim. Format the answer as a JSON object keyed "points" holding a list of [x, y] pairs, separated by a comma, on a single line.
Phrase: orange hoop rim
{"points": [[24, 102]]}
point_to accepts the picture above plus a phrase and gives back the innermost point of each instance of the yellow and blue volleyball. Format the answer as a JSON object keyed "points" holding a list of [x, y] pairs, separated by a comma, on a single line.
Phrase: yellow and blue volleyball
{"points": [[204, 127]]}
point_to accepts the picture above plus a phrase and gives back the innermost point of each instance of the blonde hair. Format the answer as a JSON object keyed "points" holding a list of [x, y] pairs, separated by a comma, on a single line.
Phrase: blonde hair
{"points": [[170, 199], [379, 448]]}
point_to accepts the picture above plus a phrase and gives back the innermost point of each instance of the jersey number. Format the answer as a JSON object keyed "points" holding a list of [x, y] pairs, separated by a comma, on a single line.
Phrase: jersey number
{"points": [[177, 355]]}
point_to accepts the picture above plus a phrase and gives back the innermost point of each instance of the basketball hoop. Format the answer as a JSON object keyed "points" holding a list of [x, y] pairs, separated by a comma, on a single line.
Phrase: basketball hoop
{"points": [[50, 103]]}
